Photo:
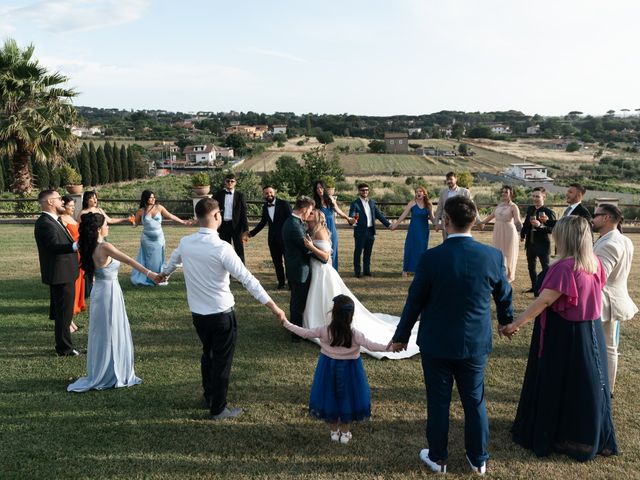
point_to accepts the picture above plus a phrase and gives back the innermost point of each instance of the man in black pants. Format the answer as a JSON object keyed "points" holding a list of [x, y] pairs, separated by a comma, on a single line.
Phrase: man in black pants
{"points": [[274, 213], [207, 262], [233, 207], [535, 234]]}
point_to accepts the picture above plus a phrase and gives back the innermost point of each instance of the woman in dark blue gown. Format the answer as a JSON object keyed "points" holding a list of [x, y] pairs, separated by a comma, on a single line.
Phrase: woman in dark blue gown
{"points": [[565, 403], [417, 240], [330, 208]]}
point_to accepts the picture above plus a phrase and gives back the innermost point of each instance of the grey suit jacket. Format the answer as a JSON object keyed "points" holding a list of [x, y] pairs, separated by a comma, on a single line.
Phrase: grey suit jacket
{"points": [[615, 251], [444, 196]]}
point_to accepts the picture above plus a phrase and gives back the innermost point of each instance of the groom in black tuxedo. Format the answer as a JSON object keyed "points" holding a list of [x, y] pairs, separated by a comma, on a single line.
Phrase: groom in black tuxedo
{"points": [[274, 213], [58, 267], [296, 259]]}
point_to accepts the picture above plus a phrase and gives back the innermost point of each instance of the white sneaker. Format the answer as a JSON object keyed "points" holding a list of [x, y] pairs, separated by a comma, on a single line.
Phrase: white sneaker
{"points": [[335, 436], [345, 437], [481, 470], [438, 467]]}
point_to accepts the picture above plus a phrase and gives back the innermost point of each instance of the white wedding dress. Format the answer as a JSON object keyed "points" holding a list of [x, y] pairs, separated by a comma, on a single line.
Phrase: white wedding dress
{"points": [[325, 285]]}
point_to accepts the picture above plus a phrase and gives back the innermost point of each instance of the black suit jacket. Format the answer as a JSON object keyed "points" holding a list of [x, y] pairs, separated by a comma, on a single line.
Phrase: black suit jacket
{"points": [[540, 235], [280, 215], [239, 214], [58, 261], [580, 210]]}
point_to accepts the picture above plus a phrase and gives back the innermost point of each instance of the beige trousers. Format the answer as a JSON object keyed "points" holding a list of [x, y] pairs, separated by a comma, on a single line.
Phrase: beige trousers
{"points": [[612, 339]]}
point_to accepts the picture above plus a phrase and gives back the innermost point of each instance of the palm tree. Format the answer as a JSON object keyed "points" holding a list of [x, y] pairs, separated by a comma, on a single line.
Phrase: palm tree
{"points": [[36, 113]]}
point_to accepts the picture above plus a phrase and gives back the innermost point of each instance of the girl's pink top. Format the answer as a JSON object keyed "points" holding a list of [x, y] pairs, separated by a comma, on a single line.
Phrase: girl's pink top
{"points": [[581, 299], [338, 353]]}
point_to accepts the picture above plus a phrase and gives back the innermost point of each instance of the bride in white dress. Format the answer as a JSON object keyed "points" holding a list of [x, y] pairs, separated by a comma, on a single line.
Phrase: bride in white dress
{"points": [[326, 284]]}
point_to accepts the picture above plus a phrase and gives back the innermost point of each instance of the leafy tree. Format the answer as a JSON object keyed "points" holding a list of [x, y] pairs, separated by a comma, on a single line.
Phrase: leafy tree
{"points": [[457, 130], [54, 176], [117, 165], [85, 165], [573, 147], [377, 146], [41, 175], [93, 163], [325, 137], [480, 131], [108, 153], [289, 177], [131, 164], [465, 179], [317, 165], [3, 175], [124, 162], [73, 161], [463, 149], [237, 142], [35, 113], [103, 166]]}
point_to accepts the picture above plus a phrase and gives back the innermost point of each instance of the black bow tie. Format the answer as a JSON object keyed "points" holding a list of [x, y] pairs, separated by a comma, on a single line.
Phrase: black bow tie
{"points": [[271, 204], [228, 193]]}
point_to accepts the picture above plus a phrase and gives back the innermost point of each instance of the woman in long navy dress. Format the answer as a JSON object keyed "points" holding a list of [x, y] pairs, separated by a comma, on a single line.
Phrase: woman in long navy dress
{"points": [[565, 403], [417, 240], [330, 208]]}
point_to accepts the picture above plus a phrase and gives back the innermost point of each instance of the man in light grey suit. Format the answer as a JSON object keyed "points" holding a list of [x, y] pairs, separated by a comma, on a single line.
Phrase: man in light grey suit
{"points": [[615, 251], [452, 190]]}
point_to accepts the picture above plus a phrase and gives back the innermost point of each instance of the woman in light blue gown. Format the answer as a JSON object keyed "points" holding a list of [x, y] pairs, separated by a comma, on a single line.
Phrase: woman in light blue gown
{"points": [[330, 208], [110, 346], [417, 240], [151, 254]]}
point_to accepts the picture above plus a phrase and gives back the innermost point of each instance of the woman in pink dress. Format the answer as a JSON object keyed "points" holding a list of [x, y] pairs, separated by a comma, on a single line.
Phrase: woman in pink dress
{"points": [[506, 230]]}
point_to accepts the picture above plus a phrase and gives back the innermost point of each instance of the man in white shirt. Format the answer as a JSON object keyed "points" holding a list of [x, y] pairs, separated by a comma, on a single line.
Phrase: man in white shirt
{"points": [[615, 251], [207, 262]]}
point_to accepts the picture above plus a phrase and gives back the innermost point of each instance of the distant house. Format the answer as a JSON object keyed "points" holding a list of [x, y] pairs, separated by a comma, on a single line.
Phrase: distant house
{"points": [[223, 152], [499, 128], [412, 131], [445, 131], [529, 172], [200, 154], [250, 131], [279, 129], [533, 130], [84, 131], [396, 142]]}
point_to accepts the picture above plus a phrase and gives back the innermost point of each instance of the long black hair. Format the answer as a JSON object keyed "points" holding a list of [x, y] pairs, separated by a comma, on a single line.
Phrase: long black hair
{"points": [[144, 198], [86, 196], [325, 196], [90, 223], [341, 318]]}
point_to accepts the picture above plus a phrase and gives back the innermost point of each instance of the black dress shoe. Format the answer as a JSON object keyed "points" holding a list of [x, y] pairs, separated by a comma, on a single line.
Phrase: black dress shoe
{"points": [[358, 275], [368, 274], [281, 286], [72, 353]]}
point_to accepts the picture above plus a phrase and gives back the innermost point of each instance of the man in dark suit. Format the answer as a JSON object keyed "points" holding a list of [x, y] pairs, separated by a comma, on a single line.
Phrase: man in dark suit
{"points": [[274, 213], [537, 243], [366, 212], [296, 259], [234, 215], [575, 194], [451, 291], [58, 267]]}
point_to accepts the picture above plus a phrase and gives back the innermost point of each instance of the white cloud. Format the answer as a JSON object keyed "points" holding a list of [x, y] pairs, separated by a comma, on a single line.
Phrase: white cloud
{"points": [[62, 16], [276, 54]]}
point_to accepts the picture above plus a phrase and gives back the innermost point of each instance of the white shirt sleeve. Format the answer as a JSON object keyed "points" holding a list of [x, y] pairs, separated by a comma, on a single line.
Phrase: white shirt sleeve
{"points": [[174, 262], [237, 270]]}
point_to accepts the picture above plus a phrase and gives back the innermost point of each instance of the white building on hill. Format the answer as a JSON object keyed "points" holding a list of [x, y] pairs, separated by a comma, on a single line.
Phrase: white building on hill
{"points": [[529, 172]]}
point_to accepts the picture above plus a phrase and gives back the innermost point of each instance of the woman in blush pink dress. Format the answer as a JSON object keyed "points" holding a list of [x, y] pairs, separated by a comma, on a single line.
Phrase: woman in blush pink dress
{"points": [[506, 230]]}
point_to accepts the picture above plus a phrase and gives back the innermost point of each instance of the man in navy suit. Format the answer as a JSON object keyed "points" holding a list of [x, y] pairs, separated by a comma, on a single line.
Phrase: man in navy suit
{"points": [[274, 213], [365, 228], [451, 291]]}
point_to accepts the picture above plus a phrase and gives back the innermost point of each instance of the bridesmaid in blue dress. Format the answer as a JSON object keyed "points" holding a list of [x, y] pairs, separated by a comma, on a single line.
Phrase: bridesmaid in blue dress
{"points": [[110, 346], [417, 240], [151, 254], [328, 206]]}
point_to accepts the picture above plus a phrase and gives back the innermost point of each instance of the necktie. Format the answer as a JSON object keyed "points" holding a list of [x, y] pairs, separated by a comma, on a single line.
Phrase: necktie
{"points": [[566, 212]]}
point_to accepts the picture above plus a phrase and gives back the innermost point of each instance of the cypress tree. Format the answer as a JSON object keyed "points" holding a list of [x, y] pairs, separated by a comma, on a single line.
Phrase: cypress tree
{"points": [[93, 163], [8, 172], [73, 161], [117, 165], [3, 175], [85, 165], [54, 176], [41, 174], [108, 153], [132, 167], [103, 166], [124, 162]]}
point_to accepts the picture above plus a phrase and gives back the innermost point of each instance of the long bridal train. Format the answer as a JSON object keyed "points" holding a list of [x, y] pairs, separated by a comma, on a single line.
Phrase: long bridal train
{"points": [[377, 327]]}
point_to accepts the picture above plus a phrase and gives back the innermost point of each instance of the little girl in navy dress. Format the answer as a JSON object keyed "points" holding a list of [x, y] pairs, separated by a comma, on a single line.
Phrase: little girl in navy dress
{"points": [[340, 391]]}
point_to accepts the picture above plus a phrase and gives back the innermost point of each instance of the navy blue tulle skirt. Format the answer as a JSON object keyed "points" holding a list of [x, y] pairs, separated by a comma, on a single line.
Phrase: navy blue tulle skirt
{"points": [[340, 391]]}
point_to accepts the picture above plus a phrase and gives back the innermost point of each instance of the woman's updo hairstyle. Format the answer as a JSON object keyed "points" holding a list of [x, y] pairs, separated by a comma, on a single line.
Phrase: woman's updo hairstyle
{"points": [[90, 223]]}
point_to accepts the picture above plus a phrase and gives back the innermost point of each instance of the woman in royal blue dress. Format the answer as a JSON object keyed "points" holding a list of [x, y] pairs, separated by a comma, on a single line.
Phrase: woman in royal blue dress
{"points": [[330, 208], [417, 240], [151, 254]]}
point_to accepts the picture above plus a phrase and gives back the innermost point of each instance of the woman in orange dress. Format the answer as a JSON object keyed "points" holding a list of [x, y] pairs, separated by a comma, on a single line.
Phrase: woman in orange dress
{"points": [[72, 226]]}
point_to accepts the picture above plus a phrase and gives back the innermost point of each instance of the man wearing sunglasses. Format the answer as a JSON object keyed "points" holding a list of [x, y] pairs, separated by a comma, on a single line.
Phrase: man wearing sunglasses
{"points": [[234, 224]]}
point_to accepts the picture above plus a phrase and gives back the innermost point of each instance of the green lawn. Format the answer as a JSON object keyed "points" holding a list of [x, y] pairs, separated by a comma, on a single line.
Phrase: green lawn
{"points": [[157, 429]]}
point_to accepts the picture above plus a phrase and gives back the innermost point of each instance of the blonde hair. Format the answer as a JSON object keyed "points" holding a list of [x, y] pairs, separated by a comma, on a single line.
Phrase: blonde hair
{"points": [[572, 235], [320, 223]]}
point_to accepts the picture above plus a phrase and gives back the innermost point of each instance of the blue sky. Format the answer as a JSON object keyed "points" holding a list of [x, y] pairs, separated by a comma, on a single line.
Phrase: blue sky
{"points": [[361, 57]]}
